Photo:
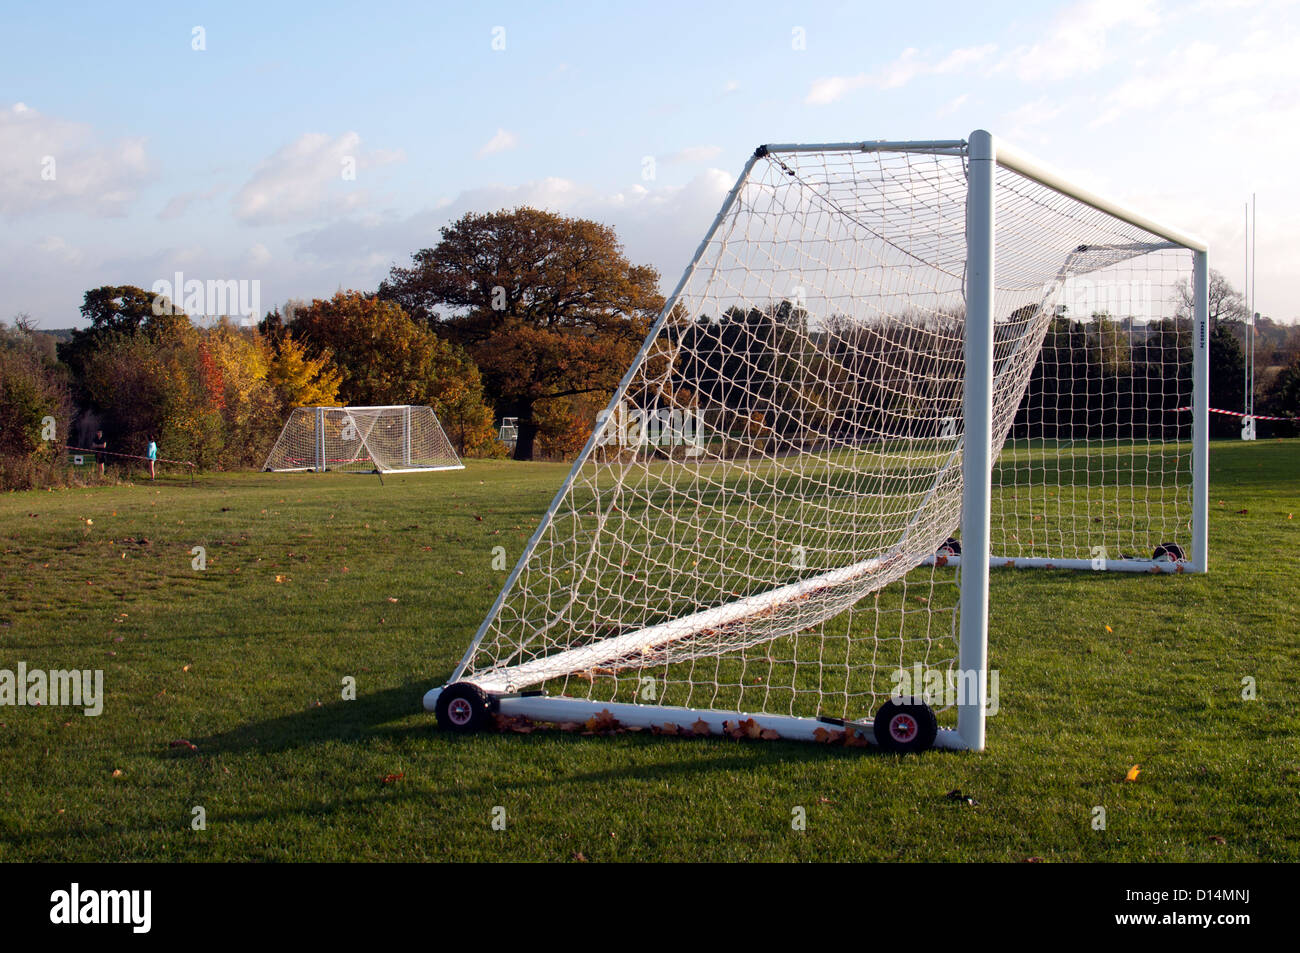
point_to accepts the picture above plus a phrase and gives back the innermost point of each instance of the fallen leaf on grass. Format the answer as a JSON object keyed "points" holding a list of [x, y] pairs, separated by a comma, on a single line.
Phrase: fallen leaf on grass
{"points": [[183, 743], [390, 778], [117, 772], [602, 722], [516, 723], [1133, 773]]}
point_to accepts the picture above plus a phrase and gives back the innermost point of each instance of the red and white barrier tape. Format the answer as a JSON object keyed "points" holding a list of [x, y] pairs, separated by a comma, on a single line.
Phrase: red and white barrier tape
{"points": [[1238, 413]]}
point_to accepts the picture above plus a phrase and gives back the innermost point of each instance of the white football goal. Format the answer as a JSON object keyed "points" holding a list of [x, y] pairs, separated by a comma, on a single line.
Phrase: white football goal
{"points": [[889, 368], [392, 439]]}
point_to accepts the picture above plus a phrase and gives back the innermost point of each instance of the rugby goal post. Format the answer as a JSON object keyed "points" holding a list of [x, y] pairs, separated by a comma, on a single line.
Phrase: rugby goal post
{"points": [[386, 439], [891, 366]]}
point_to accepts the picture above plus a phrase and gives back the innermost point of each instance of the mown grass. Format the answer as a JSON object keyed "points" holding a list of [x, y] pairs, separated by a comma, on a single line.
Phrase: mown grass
{"points": [[246, 661]]}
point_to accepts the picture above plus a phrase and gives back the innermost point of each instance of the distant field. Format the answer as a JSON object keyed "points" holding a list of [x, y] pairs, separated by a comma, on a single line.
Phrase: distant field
{"points": [[312, 578]]}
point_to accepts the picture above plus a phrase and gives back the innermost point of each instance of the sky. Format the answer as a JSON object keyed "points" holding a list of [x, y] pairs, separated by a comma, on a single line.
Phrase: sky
{"points": [[311, 147]]}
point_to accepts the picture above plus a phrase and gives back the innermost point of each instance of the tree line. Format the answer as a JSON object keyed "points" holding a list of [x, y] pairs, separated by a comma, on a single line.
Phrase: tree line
{"points": [[526, 314]]}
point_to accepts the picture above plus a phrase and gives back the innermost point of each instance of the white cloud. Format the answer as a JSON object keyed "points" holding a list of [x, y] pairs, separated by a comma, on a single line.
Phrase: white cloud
{"points": [[49, 164], [1024, 121], [59, 250], [501, 142], [304, 181], [953, 105], [1077, 40], [178, 205], [692, 154], [909, 65], [660, 226]]}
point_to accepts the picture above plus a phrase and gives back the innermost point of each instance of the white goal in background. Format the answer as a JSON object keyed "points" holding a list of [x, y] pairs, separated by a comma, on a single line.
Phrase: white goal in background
{"points": [[391, 439], [893, 366]]}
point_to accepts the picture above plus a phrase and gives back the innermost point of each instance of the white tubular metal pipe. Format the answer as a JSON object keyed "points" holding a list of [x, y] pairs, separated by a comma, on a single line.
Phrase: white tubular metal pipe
{"points": [[1011, 158], [935, 146], [1201, 412], [558, 709], [645, 640], [977, 458], [1041, 562]]}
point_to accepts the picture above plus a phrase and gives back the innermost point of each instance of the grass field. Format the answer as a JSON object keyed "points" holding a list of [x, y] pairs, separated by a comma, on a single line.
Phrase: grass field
{"points": [[313, 578]]}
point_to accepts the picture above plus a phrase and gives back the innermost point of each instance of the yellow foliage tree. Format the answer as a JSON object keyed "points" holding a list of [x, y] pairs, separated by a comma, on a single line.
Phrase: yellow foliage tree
{"points": [[301, 380]]}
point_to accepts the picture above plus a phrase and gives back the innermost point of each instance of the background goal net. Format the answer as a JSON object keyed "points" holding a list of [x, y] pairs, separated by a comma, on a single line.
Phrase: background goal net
{"points": [[363, 439]]}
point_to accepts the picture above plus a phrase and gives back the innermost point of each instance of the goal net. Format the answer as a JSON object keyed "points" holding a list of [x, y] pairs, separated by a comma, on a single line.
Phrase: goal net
{"points": [[768, 519], [393, 439]]}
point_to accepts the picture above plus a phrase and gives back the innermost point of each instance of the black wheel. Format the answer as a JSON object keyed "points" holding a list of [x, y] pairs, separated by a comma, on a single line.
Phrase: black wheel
{"points": [[1170, 552], [950, 547], [463, 707], [905, 726]]}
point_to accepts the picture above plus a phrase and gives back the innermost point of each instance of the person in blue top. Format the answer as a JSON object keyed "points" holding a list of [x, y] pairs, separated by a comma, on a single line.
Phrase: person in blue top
{"points": [[153, 455]]}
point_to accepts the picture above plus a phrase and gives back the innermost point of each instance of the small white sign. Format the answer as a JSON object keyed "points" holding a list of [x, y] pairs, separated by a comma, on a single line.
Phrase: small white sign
{"points": [[77, 460]]}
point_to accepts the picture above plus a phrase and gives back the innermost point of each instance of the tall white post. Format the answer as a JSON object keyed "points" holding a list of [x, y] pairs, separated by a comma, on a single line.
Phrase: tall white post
{"points": [[320, 439], [1200, 410], [977, 440], [406, 430]]}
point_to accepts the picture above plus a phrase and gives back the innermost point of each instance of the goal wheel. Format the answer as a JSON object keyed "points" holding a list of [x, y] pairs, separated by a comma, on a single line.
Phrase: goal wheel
{"points": [[463, 707], [905, 726], [1170, 552], [950, 547]]}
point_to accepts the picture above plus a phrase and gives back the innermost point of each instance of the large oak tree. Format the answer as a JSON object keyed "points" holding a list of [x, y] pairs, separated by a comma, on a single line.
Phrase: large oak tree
{"points": [[548, 306]]}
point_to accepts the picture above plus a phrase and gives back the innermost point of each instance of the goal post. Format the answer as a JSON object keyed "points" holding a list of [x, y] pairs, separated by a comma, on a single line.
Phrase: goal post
{"points": [[398, 438], [889, 368]]}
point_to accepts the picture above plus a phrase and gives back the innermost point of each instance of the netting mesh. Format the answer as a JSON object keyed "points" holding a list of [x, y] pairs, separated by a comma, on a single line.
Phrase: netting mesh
{"points": [[363, 439], [750, 526]]}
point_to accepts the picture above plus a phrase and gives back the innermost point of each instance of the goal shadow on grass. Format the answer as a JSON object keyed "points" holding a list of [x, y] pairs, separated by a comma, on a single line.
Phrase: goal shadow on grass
{"points": [[385, 715]]}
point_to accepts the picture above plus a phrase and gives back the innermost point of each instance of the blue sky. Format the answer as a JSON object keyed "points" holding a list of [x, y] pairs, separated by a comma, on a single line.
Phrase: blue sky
{"points": [[225, 162]]}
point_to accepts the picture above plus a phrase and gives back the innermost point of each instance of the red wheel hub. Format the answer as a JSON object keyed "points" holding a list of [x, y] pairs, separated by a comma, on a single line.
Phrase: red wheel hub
{"points": [[902, 728]]}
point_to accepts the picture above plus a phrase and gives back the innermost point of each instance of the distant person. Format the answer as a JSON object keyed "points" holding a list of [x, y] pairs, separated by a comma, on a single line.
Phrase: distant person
{"points": [[153, 455], [100, 446]]}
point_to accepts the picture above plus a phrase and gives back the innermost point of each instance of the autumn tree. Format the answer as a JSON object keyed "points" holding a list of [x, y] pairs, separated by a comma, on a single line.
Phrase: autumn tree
{"points": [[112, 310], [382, 356], [300, 379], [33, 394], [547, 306]]}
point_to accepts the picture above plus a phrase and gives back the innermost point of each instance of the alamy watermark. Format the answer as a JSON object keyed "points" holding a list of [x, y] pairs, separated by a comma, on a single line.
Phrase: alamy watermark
{"points": [[78, 905], [73, 688], [627, 426], [1084, 298], [946, 688], [213, 298]]}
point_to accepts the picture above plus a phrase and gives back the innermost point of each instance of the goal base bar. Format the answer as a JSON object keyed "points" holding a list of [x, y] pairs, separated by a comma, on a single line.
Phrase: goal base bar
{"points": [[1042, 562], [417, 469], [558, 709]]}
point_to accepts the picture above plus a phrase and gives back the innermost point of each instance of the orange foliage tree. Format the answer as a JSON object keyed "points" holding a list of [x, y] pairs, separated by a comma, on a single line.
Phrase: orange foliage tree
{"points": [[548, 307]]}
